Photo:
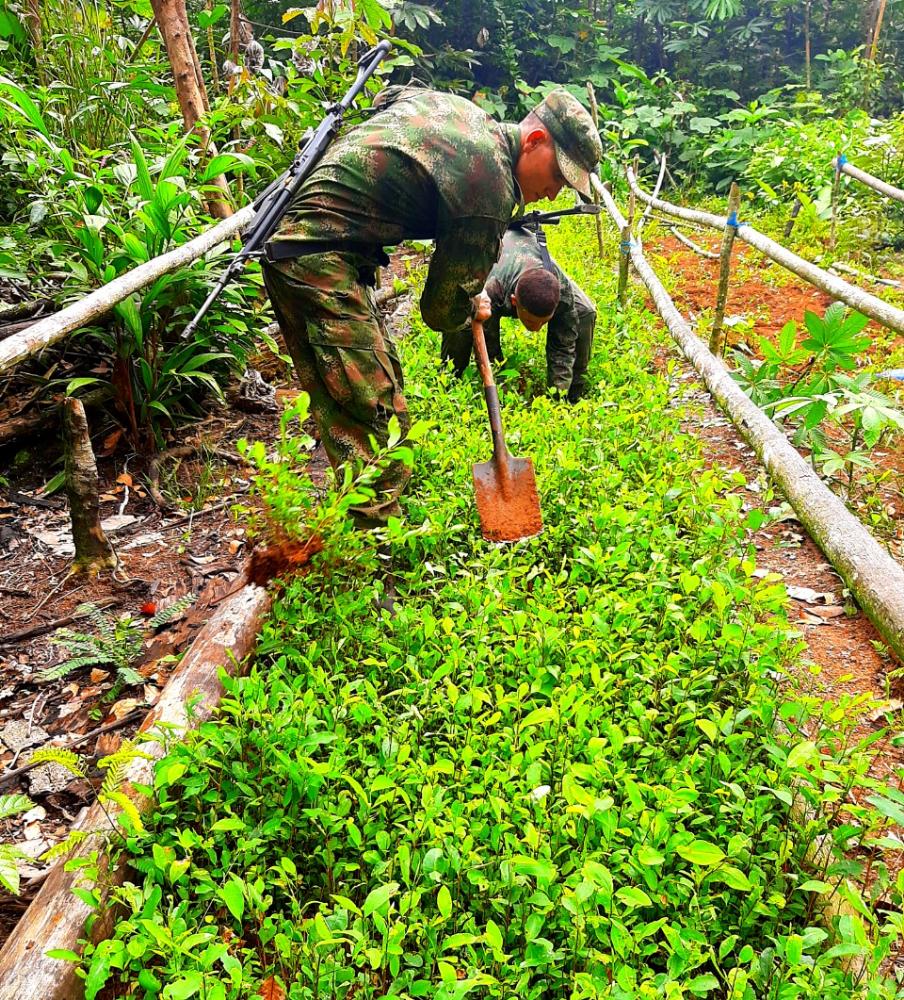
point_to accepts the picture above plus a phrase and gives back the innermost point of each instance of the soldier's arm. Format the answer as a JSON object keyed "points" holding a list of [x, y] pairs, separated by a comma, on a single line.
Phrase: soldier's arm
{"points": [[465, 252]]}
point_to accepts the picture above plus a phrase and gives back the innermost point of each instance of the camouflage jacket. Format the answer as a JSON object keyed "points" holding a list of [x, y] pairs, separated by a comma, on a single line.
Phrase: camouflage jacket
{"points": [[428, 166], [520, 253]]}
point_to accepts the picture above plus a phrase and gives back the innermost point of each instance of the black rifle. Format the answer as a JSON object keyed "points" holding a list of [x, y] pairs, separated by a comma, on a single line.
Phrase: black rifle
{"points": [[534, 222], [272, 203]]}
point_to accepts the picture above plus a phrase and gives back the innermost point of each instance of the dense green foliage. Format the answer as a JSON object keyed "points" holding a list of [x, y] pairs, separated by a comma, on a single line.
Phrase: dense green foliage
{"points": [[98, 176], [564, 768]]}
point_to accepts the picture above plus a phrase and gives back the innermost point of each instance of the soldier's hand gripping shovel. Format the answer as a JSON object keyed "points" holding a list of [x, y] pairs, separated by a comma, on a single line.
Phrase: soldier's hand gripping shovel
{"points": [[505, 487]]}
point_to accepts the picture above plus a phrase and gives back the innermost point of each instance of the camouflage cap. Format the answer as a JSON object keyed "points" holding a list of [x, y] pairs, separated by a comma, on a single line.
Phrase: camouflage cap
{"points": [[578, 146]]}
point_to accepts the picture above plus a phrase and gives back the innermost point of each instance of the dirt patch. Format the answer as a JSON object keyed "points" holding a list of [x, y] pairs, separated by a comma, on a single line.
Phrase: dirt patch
{"points": [[281, 560]]}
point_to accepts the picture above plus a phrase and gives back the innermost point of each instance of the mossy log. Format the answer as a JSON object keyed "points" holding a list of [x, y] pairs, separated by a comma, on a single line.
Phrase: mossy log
{"points": [[874, 578]]}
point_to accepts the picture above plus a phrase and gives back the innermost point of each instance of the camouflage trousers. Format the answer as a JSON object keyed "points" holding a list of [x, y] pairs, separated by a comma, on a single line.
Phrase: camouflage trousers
{"points": [[345, 362]]}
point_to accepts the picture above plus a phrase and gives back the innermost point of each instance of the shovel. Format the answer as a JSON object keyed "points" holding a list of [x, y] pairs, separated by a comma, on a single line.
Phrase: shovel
{"points": [[505, 487]]}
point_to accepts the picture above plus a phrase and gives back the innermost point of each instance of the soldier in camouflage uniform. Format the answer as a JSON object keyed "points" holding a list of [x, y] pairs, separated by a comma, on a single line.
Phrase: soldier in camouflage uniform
{"points": [[427, 165], [569, 335]]}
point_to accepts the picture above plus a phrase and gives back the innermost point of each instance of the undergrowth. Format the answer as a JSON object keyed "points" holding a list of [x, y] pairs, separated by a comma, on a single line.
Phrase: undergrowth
{"points": [[565, 768]]}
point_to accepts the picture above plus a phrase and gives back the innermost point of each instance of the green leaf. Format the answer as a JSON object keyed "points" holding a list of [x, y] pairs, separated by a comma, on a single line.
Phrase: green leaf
{"points": [[700, 852], [815, 885], [891, 810], [708, 728], [378, 898], [632, 896], [444, 902], [233, 895], [63, 955], [803, 753], [734, 878], [702, 985], [494, 936], [649, 856]]}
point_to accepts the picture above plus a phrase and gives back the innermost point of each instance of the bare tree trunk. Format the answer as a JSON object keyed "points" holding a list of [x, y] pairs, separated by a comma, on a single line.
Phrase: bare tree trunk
{"points": [[807, 44], [213, 51], [92, 550], [190, 90], [876, 31], [32, 18]]}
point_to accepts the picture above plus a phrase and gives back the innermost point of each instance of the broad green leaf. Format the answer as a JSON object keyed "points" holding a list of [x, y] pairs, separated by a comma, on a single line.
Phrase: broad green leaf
{"points": [[233, 895], [379, 897], [700, 852], [633, 896], [444, 902]]}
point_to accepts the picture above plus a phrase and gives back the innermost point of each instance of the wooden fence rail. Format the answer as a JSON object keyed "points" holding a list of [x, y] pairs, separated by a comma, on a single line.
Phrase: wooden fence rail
{"points": [[53, 328], [884, 313], [840, 163], [871, 574]]}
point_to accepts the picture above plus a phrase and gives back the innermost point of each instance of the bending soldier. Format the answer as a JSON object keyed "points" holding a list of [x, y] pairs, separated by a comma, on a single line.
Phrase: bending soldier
{"points": [[526, 282], [427, 165]]}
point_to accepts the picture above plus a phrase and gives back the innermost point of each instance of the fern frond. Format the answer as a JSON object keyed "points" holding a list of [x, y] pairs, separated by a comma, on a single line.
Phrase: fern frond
{"points": [[117, 763], [173, 611], [10, 805], [127, 806], [67, 666], [9, 867], [55, 755], [64, 846], [128, 677]]}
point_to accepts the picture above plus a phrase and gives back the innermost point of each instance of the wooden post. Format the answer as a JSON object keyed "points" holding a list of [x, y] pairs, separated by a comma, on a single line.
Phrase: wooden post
{"points": [[624, 258], [93, 552], [594, 111], [731, 230], [632, 198], [836, 185]]}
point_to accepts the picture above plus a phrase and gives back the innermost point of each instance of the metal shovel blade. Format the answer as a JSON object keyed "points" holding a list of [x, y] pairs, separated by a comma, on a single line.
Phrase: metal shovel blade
{"points": [[508, 506]]}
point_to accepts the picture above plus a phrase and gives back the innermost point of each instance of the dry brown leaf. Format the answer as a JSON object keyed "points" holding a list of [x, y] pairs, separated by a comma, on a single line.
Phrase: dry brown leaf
{"points": [[832, 611], [124, 478], [122, 708], [886, 708], [98, 675], [108, 743], [271, 990]]}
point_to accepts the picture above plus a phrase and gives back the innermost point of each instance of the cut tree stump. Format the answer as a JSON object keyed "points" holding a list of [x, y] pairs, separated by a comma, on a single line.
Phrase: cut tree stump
{"points": [[93, 551]]}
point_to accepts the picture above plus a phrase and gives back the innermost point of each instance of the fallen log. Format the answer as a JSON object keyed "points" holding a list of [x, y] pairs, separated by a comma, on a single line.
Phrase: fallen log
{"points": [[884, 313], [840, 163], [693, 246], [874, 578], [53, 328], [56, 918]]}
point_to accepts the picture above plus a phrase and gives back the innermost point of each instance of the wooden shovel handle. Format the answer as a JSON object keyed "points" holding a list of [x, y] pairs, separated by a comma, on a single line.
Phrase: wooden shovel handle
{"points": [[500, 452]]}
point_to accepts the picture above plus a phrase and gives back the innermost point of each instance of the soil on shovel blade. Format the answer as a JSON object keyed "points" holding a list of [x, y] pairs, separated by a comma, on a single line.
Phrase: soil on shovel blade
{"points": [[508, 519]]}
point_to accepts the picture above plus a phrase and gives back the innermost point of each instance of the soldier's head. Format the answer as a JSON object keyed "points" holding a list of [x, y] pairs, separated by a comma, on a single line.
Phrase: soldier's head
{"points": [[536, 297], [559, 145]]}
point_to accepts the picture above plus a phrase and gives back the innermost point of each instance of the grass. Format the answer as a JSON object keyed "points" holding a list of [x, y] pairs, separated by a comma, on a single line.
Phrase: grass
{"points": [[555, 773]]}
